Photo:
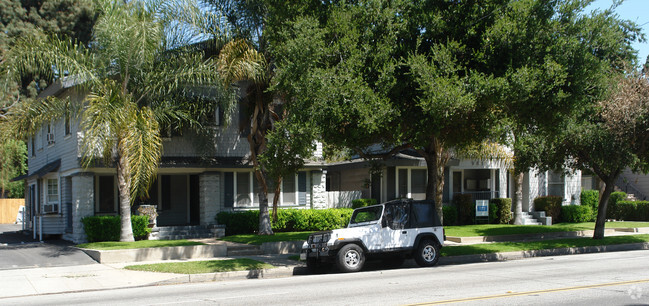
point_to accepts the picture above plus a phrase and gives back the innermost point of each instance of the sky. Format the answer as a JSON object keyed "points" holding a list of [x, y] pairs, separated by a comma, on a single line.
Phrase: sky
{"points": [[634, 10]]}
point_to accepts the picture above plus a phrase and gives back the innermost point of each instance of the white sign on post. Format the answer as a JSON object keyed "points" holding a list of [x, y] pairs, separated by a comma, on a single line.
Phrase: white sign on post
{"points": [[482, 208]]}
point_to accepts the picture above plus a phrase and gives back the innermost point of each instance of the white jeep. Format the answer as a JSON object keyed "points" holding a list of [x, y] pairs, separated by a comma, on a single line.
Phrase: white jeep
{"points": [[392, 231]]}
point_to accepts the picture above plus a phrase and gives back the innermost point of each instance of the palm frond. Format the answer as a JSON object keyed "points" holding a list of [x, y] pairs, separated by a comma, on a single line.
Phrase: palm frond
{"points": [[239, 61]]}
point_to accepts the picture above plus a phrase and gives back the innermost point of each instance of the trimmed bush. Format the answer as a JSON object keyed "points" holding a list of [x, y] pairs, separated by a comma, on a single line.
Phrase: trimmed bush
{"points": [[108, 228], [465, 208], [363, 202], [450, 215], [500, 210], [612, 211], [288, 220], [633, 210], [577, 213], [590, 198], [550, 204]]}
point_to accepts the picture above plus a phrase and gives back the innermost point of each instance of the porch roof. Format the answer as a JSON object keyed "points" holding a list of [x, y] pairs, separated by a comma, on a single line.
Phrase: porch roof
{"points": [[53, 166]]}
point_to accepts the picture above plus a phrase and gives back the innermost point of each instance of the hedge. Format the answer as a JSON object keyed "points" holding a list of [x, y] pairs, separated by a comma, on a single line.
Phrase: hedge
{"points": [[612, 211], [465, 208], [450, 215], [500, 210], [363, 202], [590, 198], [577, 213], [550, 204], [288, 220], [633, 210], [108, 228]]}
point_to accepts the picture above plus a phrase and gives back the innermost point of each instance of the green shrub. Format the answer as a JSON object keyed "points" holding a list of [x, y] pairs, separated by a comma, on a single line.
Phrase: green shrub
{"points": [[590, 198], [363, 202], [633, 210], [108, 228], [612, 211], [450, 215], [577, 213], [500, 210], [140, 226], [288, 220], [550, 204], [465, 208]]}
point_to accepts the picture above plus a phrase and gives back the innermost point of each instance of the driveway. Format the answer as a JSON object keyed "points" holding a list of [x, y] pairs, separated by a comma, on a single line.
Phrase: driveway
{"points": [[18, 251]]}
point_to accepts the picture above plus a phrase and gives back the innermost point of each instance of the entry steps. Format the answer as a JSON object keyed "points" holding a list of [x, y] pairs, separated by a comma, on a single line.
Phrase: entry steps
{"points": [[536, 218]]}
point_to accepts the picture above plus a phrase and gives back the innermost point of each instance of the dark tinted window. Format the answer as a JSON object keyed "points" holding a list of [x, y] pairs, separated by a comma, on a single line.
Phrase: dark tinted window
{"points": [[424, 214]]}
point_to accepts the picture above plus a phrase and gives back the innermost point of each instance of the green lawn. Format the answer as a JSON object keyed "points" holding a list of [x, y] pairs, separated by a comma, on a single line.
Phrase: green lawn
{"points": [[498, 247], [506, 229], [208, 266], [117, 245], [258, 240]]}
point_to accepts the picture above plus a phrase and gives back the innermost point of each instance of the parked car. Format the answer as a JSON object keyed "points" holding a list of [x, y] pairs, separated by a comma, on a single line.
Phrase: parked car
{"points": [[391, 231]]}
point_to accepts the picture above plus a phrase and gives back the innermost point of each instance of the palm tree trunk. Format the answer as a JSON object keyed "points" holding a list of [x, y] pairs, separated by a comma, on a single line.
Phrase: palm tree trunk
{"points": [[124, 188], [518, 197]]}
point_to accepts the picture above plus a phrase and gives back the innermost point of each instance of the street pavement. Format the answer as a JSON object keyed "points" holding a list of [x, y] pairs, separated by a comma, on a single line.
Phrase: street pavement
{"points": [[28, 267]]}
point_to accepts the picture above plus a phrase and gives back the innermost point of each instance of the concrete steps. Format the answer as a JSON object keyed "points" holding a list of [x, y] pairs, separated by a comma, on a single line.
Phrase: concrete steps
{"points": [[529, 219]]}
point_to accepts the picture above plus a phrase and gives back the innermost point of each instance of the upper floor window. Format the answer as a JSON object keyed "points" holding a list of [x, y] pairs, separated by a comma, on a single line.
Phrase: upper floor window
{"points": [[68, 130], [50, 134]]}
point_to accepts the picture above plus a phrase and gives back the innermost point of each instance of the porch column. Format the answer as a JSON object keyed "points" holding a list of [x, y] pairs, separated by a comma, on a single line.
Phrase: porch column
{"points": [[210, 200], [83, 204], [502, 180], [319, 189]]}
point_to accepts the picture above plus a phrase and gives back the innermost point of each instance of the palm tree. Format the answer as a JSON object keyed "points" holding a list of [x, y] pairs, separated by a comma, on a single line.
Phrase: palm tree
{"points": [[142, 73]]}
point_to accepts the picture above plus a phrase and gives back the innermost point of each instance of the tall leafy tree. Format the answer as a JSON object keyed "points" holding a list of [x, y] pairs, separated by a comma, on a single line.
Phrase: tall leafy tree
{"points": [[71, 18], [140, 74], [542, 86]]}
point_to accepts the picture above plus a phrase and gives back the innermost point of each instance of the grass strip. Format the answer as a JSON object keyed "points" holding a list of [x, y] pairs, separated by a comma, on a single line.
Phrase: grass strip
{"points": [[259, 239], [507, 229], [499, 247], [119, 245], [208, 266]]}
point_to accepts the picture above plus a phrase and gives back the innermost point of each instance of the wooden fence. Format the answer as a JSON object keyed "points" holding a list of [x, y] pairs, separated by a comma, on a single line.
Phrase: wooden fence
{"points": [[9, 210]]}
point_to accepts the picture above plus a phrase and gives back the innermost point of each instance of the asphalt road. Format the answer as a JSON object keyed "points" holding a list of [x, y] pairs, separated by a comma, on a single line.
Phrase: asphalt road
{"points": [[18, 251], [619, 278]]}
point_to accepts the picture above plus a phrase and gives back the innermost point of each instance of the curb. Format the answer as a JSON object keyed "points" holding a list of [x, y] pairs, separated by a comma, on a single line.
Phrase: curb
{"points": [[279, 272], [548, 235], [505, 256]]}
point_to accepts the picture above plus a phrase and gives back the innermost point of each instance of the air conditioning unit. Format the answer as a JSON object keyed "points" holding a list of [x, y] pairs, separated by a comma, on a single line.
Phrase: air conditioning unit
{"points": [[50, 138]]}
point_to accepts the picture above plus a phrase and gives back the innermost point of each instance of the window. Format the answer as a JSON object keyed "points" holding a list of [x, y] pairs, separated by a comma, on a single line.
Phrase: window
{"points": [[240, 188], [67, 122], [51, 204], [556, 184], [50, 134], [411, 183], [33, 145], [244, 194], [396, 216]]}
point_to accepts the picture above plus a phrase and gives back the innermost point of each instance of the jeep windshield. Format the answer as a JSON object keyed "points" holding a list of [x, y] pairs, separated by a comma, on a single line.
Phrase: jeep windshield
{"points": [[367, 215]]}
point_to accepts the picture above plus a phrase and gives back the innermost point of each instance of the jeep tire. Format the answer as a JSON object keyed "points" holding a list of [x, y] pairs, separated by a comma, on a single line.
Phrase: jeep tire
{"points": [[312, 264], [350, 258], [427, 253]]}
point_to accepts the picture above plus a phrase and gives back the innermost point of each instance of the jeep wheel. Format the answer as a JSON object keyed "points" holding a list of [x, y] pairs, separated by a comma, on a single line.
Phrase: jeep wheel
{"points": [[427, 253], [350, 258]]}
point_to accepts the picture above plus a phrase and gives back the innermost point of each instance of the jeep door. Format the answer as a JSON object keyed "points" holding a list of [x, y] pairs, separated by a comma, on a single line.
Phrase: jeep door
{"points": [[396, 231]]}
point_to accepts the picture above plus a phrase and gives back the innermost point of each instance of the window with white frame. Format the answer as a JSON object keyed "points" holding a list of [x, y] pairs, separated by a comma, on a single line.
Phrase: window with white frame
{"points": [[51, 204], [556, 183], [411, 183], [240, 189], [50, 134]]}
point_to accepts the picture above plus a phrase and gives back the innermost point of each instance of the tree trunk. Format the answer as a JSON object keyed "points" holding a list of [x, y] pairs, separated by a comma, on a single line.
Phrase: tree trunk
{"points": [[124, 187], [600, 222], [436, 159], [278, 189], [518, 197], [265, 227]]}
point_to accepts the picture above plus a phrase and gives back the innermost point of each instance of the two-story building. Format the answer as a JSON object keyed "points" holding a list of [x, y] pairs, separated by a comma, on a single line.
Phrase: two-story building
{"points": [[190, 189]]}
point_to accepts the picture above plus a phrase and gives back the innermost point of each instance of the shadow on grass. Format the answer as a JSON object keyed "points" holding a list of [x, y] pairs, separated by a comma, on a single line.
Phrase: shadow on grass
{"points": [[259, 239]]}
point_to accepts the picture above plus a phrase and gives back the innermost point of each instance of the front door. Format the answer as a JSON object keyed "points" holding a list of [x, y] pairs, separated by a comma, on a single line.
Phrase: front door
{"points": [[174, 199]]}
